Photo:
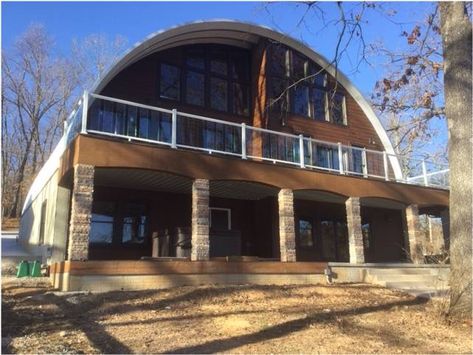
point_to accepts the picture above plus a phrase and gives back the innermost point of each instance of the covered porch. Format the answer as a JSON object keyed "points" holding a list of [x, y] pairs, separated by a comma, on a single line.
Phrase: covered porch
{"points": [[133, 205], [144, 214], [132, 214]]}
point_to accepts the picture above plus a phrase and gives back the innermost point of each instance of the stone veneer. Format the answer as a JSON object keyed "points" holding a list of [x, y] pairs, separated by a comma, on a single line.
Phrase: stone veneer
{"points": [[200, 220], [81, 212], [355, 235], [414, 234], [287, 235]]}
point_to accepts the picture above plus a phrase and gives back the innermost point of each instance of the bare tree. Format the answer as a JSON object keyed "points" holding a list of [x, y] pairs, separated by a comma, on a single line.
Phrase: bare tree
{"points": [[39, 88], [92, 55], [456, 30], [35, 84], [409, 98]]}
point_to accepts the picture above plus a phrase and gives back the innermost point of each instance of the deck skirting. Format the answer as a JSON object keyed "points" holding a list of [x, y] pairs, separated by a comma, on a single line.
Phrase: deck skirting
{"points": [[142, 275]]}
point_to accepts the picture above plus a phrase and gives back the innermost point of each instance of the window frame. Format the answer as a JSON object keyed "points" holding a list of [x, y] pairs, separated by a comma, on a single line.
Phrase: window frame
{"points": [[312, 236], [344, 121], [113, 223], [121, 221], [231, 55], [180, 79], [229, 216], [118, 224], [290, 78]]}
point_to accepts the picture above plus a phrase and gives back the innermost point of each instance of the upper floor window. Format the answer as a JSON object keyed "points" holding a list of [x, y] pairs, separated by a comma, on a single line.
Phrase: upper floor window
{"points": [[218, 94], [214, 77], [170, 87], [195, 88], [299, 86], [319, 104], [337, 108]]}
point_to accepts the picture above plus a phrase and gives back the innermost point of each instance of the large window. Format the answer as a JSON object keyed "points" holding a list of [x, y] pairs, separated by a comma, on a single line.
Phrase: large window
{"points": [[102, 223], [210, 76], [334, 239], [301, 100], [195, 88], [318, 101], [134, 223], [367, 234], [306, 238], [118, 223], [218, 94], [337, 108], [297, 85], [170, 79]]}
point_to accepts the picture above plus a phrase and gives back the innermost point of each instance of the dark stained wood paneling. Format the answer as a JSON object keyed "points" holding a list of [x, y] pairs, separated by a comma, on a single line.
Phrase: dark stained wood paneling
{"points": [[138, 83]]}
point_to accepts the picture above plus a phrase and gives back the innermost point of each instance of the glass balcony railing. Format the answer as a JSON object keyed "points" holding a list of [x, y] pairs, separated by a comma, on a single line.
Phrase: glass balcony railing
{"points": [[137, 122]]}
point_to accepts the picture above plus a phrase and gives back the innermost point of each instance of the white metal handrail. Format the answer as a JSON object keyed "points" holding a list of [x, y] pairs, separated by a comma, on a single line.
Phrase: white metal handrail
{"points": [[297, 150]]}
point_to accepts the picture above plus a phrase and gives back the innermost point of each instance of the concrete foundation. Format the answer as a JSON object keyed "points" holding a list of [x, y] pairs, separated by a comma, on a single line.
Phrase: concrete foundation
{"points": [[346, 272], [103, 283]]}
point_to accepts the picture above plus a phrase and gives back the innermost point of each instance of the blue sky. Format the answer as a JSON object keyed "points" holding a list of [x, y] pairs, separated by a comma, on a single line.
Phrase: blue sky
{"points": [[135, 20]]}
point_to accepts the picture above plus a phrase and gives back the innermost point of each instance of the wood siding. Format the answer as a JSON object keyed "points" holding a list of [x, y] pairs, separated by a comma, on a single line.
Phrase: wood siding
{"points": [[139, 83]]}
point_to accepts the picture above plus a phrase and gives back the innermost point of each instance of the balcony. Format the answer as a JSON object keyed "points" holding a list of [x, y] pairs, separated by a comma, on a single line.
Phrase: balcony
{"points": [[131, 121]]}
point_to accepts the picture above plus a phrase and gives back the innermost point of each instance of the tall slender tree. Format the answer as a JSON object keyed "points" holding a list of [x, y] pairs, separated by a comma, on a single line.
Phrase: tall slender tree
{"points": [[456, 31]]}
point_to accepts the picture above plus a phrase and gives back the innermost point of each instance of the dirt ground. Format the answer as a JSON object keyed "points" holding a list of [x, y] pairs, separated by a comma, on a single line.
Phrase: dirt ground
{"points": [[235, 319]]}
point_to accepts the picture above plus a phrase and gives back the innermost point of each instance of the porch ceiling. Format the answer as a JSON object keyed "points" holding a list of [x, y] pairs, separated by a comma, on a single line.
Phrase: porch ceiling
{"points": [[141, 179]]}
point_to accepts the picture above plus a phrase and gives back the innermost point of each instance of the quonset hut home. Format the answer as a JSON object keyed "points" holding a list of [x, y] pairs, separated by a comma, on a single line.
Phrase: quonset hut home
{"points": [[222, 151]]}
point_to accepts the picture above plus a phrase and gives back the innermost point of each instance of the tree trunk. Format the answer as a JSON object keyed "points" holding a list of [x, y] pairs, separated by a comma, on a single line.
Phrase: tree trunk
{"points": [[456, 31]]}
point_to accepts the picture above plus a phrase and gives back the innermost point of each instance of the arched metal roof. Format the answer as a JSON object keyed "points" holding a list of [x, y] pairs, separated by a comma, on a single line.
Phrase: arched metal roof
{"points": [[244, 35]]}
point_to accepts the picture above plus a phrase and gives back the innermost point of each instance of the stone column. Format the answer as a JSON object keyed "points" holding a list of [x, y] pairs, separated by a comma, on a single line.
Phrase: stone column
{"points": [[81, 212], [200, 220], [287, 235], [437, 240], [355, 235], [414, 234]]}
